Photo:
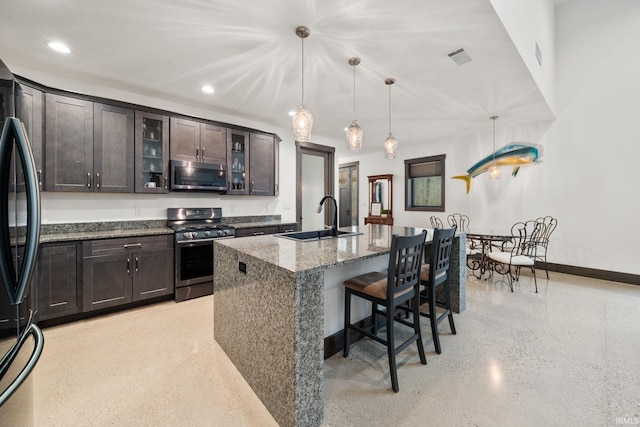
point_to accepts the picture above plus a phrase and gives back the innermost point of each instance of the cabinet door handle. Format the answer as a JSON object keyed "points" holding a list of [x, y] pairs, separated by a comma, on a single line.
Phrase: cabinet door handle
{"points": [[88, 180], [253, 185], [128, 265], [97, 180], [202, 153], [133, 245], [166, 185], [197, 152], [39, 172], [137, 264], [288, 230], [258, 233]]}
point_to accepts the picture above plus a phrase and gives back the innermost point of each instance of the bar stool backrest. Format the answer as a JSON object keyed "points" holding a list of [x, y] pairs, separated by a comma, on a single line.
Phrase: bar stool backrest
{"points": [[405, 260]]}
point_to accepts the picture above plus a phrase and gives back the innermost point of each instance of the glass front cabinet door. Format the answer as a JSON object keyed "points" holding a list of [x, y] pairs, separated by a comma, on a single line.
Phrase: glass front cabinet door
{"points": [[152, 150], [238, 157]]}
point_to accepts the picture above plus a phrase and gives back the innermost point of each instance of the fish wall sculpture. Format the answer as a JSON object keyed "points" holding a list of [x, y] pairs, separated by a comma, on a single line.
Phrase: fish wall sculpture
{"points": [[515, 155]]}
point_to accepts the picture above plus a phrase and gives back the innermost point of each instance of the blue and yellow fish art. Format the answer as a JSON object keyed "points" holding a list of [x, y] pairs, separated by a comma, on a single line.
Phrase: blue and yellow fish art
{"points": [[515, 155]]}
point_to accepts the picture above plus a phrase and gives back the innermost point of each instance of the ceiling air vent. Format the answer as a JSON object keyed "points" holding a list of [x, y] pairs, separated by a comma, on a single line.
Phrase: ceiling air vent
{"points": [[460, 56]]}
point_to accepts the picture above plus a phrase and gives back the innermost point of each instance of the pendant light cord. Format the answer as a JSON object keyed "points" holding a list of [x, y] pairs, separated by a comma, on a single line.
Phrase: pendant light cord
{"points": [[354, 92], [302, 41], [389, 109]]}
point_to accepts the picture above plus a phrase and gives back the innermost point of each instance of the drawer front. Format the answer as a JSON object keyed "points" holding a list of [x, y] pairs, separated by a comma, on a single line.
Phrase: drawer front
{"points": [[287, 228], [257, 231], [126, 244]]}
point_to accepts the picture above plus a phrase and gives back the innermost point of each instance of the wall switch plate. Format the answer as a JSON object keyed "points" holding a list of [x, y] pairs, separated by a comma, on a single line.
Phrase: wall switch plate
{"points": [[242, 267]]}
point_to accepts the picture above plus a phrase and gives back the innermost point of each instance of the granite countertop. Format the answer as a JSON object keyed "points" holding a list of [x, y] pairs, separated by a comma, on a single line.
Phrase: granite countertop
{"points": [[103, 234], [298, 256]]}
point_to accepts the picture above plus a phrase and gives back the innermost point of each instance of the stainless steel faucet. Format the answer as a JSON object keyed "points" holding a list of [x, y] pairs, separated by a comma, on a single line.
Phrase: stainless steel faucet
{"points": [[334, 227]]}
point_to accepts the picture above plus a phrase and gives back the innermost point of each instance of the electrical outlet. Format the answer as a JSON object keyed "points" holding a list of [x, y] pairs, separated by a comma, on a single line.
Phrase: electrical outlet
{"points": [[137, 211], [242, 267]]}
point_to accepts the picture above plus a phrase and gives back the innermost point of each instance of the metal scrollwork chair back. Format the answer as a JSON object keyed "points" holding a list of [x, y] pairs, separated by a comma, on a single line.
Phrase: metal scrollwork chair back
{"points": [[460, 221], [549, 223], [524, 237], [436, 222]]}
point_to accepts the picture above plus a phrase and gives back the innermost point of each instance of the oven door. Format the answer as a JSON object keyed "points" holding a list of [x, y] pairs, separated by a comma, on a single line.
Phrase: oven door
{"points": [[194, 262]]}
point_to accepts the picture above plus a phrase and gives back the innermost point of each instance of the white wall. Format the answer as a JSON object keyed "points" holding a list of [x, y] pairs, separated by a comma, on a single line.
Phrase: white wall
{"points": [[589, 175], [529, 22]]}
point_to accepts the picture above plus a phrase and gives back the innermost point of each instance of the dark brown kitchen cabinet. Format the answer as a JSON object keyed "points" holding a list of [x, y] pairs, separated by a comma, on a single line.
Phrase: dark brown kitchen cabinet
{"points": [[113, 148], [194, 141], [56, 281], [238, 156], [262, 163], [120, 271], [68, 144], [89, 147], [30, 110], [152, 153]]}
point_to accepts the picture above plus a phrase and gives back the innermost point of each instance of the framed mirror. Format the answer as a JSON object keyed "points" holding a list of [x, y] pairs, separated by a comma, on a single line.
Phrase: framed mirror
{"points": [[380, 200]]}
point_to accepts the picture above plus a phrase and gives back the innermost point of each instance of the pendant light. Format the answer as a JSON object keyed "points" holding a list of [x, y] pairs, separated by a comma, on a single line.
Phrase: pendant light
{"points": [[302, 119], [390, 144], [494, 170], [354, 133]]}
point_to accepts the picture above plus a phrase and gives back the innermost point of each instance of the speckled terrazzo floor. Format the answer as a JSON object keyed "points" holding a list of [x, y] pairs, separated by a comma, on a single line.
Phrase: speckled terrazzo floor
{"points": [[566, 356]]}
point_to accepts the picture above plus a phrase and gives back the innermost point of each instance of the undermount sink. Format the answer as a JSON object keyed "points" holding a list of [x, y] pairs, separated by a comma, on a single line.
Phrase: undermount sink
{"points": [[307, 236]]}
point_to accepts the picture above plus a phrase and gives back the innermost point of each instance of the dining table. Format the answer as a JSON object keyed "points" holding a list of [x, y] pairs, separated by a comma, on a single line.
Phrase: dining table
{"points": [[479, 245]]}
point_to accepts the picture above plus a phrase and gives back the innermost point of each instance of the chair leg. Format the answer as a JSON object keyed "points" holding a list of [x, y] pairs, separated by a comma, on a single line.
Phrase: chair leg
{"points": [[533, 270], [433, 319], [391, 351], [510, 279], [416, 328], [347, 321], [447, 296]]}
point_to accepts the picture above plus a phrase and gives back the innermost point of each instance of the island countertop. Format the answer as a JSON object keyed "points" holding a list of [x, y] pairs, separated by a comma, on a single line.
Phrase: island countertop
{"points": [[315, 255]]}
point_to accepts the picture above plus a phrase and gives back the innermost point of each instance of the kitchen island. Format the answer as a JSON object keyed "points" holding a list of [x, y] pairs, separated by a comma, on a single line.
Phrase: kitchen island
{"points": [[276, 300]]}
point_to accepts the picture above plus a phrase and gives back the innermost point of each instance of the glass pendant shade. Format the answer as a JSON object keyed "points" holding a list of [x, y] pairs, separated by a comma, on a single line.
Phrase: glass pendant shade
{"points": [[494, 171], [354, 132], [302, 119], [390, 147], [390, 144], [302, 124], [354, 136]]}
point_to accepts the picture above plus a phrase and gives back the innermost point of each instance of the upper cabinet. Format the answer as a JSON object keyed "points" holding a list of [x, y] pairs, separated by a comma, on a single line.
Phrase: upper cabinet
{"points": [[89, 147], [252, 163], [238, 155], [194, 141], [30, 110], [262, 170], [152, 153]]}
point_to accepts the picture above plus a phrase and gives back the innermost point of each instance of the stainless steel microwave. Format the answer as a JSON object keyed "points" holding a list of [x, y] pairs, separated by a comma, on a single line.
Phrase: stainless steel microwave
{"points": [[198, 176]]}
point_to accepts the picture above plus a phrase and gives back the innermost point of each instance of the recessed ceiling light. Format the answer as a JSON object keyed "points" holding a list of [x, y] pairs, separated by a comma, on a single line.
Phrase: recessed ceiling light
{"points": [[208, 89], [59, 47]]}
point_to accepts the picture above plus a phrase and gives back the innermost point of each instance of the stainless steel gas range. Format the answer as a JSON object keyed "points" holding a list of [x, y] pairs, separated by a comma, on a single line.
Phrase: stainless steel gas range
{"points": [[195, 231]]}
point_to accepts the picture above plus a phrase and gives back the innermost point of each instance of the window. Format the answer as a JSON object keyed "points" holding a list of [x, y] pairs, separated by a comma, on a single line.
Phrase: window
{"points": [[424, 183]]}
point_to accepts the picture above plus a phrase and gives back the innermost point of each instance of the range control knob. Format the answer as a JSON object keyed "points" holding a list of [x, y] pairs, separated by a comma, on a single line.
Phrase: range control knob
{"points": [[207, 233], [187, 235], [220, 233]]}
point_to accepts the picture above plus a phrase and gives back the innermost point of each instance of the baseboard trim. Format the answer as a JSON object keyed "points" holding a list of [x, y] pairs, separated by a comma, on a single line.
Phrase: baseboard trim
{"points": [[614, 276]]}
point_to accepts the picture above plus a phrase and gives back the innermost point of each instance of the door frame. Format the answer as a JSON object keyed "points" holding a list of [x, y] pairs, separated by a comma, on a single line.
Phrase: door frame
{"points": [[329, 174], [355, 165]]}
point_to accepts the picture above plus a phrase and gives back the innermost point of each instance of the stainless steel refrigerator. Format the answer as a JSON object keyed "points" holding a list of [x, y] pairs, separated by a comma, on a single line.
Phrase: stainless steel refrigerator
{"points": [[21, 341]]}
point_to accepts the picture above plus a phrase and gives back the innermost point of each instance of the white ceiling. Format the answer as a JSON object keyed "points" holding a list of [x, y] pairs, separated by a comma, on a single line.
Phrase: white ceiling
{"points": [[248, 50]]}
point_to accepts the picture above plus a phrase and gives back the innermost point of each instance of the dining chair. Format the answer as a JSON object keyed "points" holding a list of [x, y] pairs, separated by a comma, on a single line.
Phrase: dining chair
{"points": [[392, 290], [433, 275], [436, 222], [522, 253], [550, 224], [460, 221]]}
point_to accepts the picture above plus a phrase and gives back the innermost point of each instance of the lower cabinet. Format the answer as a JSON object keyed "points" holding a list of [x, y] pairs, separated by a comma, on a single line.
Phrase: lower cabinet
{"points": [[57, 281], [120, 271]]}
